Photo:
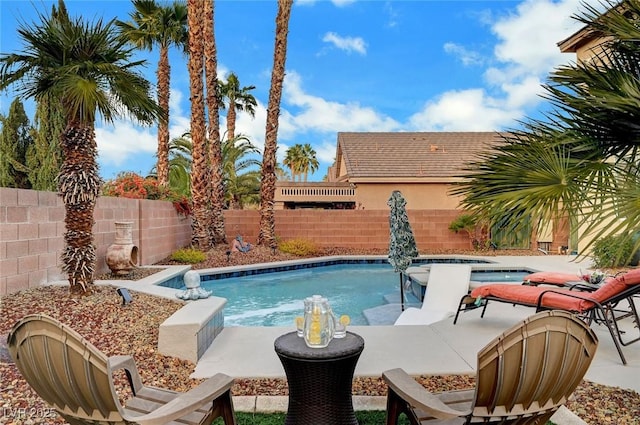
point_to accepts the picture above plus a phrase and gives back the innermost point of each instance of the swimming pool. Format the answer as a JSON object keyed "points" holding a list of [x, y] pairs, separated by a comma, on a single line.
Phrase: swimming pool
{"points": [[275, 299], [272, 295], [507, 275]]}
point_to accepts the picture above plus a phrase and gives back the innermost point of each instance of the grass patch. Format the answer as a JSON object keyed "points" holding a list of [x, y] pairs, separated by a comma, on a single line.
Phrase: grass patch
{"points": [[365, 417], [368, 417]]}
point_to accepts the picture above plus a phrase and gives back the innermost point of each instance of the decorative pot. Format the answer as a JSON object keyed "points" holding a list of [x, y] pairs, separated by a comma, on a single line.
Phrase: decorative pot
{"points": [[122, 255]]}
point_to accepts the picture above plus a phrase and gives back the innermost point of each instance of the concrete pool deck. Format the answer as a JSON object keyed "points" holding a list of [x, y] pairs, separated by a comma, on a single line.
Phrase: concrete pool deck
{"points": [[440, 348]]}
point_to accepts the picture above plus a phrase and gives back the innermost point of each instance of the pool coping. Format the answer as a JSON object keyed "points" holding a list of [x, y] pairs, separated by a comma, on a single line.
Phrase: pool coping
{"points": [[150, 284]]}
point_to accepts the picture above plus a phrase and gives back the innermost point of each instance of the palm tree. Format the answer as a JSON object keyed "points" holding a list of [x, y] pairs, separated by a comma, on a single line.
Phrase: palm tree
{"points": [[241, 174], [217, 233], [179, 165], [164, 26], [583, 160], [99, 78], [292, 160], [199, 175], [301, 159], [267, 235], [309, 162], [237, 99]]}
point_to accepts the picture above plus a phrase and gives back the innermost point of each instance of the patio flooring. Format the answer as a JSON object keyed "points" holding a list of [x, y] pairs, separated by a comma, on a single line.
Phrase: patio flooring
{"points": [[440, 348]]}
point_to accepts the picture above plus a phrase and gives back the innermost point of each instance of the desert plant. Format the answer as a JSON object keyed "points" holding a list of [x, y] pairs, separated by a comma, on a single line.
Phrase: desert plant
{"points": [[612, 251], [188, 256], [474, 228], [300, 247]]}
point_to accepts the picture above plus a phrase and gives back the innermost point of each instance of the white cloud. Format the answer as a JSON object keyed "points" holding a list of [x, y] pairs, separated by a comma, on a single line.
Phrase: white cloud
{"points": [[528, 37], [318, 114], [467, 57], [342, 3], [337, 3], [175, 101], [348, 44], [465, 110], [119, 141], [525, 53], [326, 151], [303, 115], [392, 15], [523, 93]]}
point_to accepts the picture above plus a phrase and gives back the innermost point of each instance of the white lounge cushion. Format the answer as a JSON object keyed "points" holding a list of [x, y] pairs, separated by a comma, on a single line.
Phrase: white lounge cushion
{"points": [[447, 284]]}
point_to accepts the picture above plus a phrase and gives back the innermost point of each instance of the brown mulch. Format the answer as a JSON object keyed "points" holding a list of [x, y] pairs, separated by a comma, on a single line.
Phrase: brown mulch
{"points": [[133, 329]]}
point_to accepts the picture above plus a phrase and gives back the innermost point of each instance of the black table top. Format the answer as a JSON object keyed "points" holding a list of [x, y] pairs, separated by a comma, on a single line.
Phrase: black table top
{"points": [[291, 345]]}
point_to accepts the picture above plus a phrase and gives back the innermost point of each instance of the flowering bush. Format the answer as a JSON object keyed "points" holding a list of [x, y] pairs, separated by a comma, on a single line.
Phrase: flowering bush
{"points": [[133, 186], [126, 185]]}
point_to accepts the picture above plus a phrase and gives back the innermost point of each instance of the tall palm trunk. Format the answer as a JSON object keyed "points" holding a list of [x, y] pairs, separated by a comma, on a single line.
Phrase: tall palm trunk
{"points": [[199, 182], [79, 186], [231, 118], [216, 188], [267, 235], [164, 69]]}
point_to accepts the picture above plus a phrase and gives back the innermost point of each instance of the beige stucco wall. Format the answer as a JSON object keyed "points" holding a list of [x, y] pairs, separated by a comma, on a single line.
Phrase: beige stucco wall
{"points": [[587, 51], [422, 196]]}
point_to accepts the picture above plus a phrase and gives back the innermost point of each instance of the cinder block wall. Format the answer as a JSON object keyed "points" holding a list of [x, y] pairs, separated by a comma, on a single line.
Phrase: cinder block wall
{"points": [[32, 229], [162, 231], [351, 228], [32, 234]]}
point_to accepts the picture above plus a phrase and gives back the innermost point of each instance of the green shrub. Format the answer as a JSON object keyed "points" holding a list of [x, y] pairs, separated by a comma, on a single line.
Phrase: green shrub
{"points": [[298, 247], [612, 251], [188, 256]]}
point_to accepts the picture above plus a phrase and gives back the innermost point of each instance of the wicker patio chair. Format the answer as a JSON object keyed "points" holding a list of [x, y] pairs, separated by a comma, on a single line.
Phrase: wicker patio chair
{"points": [[75, 378], [523, 376]]}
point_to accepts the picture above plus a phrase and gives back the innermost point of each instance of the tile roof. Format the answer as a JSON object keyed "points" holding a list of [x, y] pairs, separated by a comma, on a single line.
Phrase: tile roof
{"points": [[411, 155]]}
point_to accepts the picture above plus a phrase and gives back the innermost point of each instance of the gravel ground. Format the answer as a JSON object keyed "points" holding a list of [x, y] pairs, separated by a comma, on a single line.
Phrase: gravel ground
{"points": [[134, 330]]}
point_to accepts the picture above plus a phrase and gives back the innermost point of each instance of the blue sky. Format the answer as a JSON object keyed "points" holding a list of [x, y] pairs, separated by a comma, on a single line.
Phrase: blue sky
{"points": [[351, 66]]}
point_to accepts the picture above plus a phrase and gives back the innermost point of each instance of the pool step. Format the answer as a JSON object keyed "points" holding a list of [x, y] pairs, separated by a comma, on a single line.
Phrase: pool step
{"points": [[410, 299], [383, 315], [386, 314]]}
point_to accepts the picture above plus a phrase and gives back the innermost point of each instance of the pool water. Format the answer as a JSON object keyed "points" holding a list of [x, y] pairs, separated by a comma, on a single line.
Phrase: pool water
{"points": [[275, 299], [499, 275]]}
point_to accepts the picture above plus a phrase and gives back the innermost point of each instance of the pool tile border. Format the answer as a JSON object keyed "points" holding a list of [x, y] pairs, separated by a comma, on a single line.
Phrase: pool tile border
{"points": [[258, 269]]}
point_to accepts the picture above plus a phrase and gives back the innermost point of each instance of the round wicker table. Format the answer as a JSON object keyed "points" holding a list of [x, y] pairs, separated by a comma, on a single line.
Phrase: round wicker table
{"points": [[319, 379]]}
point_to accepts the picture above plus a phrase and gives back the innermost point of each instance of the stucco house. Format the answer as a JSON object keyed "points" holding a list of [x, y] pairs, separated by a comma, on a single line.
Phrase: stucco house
{"points": [[369, 166]]}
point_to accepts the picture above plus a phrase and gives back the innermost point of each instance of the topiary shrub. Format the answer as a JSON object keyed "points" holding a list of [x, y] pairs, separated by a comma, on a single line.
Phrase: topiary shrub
{"points": [[299, 247], [612, 251], [188, 256]]}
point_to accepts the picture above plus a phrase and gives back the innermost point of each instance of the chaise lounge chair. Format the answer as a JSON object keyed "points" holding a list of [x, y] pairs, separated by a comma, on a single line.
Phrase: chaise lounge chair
{"points": [[523, 376], [600, 306], [75, 378], [446, 284]]}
